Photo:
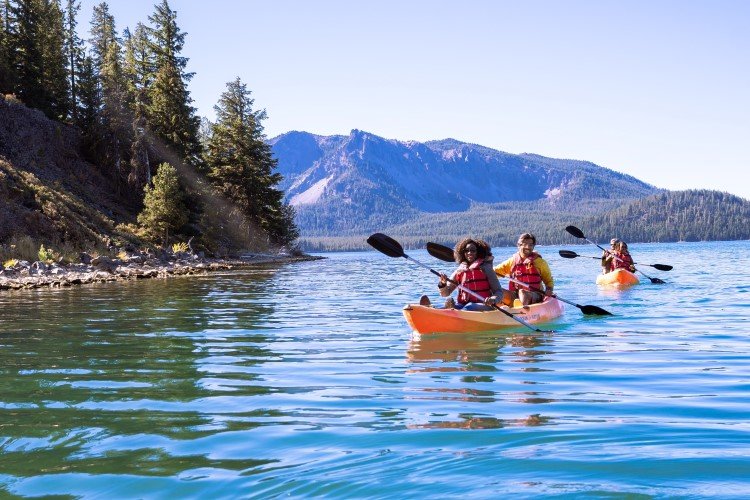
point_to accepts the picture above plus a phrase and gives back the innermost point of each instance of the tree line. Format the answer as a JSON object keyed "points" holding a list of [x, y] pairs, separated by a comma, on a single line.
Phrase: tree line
{"points": [[128, 94], [668, 216]]}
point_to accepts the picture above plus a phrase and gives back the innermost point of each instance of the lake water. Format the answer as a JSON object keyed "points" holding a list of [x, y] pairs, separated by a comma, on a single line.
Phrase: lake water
{"points": [[304, 380]]}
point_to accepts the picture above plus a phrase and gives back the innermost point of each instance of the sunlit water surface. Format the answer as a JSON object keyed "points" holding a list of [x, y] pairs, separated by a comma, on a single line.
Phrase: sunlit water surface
{"points": [[304, 380]]}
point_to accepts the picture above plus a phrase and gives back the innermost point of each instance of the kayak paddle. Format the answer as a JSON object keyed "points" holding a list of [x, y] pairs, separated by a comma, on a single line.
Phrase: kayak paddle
{"points": [[569, 254], [392, 248], [442, 252], [579, 234]]}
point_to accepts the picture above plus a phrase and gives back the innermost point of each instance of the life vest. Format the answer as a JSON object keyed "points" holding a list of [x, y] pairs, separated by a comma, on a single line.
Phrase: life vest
{"points": [[623, 261], [525, 271], [475, 280]]}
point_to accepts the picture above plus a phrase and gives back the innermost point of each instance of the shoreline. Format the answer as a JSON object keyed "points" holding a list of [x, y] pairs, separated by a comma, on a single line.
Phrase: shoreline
{"points": [[26, 276]]}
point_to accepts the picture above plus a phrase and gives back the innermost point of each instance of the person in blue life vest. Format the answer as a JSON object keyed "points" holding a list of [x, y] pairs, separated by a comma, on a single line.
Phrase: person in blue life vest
{"points": [[607, 257], [474, 272], [619, 257], [530, 268]]}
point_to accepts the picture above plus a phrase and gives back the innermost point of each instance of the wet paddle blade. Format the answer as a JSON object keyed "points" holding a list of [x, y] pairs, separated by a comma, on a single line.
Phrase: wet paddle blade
{"points": [[575, 232], [568, 254], [658, 281], [439, 251], [662, 267], [594, 311], [387, 245]]}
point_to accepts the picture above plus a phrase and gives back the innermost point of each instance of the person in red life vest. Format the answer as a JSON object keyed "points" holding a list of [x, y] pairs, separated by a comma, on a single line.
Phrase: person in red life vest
{"points": [[528, 267], [620, 258], [607, 258], [474, 259]]}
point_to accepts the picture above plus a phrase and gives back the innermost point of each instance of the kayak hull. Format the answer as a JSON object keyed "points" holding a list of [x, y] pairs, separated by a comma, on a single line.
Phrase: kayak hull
{"points": [[427, 319], [618, 277]]}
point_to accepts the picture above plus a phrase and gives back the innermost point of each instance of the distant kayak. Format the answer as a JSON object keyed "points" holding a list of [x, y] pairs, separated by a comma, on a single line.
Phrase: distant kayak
{"points": [[427, 319], [618, 277]]}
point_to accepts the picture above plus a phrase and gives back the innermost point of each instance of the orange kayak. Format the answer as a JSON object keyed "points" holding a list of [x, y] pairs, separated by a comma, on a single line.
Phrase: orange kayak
{"points": [[618, 277], [427, 319]]}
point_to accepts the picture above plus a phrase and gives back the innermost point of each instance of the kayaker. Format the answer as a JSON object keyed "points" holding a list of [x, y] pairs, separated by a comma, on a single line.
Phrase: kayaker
{"points": [[528, 267], [474, 259], [607, 258], [620, 257]]}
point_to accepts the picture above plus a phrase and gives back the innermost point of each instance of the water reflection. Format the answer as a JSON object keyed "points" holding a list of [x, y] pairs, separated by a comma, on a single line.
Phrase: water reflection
{"points": [[477, 422], [480, 368], [113, 377]]}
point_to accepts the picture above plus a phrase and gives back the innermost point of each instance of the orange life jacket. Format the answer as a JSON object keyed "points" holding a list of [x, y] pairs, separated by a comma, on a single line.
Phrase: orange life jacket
{"points": [[623, 261], [525, 271], [475, 280]]}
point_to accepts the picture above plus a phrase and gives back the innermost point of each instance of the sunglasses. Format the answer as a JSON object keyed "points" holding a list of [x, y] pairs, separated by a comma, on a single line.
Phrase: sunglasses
{"points": [[470, 249]]}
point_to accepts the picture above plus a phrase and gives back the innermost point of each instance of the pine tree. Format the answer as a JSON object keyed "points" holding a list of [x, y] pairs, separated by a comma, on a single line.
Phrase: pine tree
{"points": [[139, 71], [241, 166], [7, 72], [54, 62], [170, 114], [164, 210], [74, 52], [34, 42], [26, 57], [114, 115]]}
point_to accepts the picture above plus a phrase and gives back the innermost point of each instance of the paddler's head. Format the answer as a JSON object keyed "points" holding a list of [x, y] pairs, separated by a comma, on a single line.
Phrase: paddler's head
{"points": [[526, 243]]}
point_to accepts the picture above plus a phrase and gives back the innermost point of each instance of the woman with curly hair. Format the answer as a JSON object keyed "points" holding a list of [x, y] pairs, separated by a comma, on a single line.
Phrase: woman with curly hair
{"points": [[474, 259]]}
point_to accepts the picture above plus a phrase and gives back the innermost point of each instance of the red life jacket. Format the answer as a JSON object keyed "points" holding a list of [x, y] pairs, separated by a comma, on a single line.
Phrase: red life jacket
{"points": [[475, 280], [623, 261], [525, 271]]}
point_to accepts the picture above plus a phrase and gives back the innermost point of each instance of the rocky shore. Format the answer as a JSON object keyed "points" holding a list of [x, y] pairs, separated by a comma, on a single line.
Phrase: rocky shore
{"points": [[26, 275]]}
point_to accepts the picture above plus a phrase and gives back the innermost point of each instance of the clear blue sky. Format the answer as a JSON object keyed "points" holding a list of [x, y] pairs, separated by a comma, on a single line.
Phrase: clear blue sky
{"points": [[656, 89]]}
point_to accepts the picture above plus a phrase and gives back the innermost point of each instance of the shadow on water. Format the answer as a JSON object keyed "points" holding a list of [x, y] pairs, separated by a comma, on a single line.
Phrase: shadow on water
{"points": [[88, 373]]}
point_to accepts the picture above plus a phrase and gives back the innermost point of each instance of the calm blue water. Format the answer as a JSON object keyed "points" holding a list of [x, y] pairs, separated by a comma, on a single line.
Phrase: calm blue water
{"points": [[304, 380]]}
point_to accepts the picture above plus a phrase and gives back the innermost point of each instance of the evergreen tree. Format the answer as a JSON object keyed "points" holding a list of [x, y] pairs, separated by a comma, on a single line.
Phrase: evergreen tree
{"points": [[170, 116], [89, 105], [34, 50], [139, 71], [7, 71], [26, 57], [74, 53], [114, 114], [164, 209], [54, 62], [241, 166]]}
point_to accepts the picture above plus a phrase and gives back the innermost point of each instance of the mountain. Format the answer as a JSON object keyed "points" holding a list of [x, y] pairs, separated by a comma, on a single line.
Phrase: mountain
{"points": [[361, 182], [346, 187]]}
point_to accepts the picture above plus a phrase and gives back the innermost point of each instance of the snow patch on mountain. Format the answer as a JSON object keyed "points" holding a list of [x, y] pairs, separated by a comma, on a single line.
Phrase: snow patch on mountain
{"points": [[312, 194]]}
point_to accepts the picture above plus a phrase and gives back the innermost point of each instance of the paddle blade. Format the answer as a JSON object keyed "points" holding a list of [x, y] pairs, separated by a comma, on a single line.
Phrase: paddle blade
{"points": [[658, 281], [575, 231], [387, 245], [662, 267], [595, 311], [568, 254], [439, 251]]}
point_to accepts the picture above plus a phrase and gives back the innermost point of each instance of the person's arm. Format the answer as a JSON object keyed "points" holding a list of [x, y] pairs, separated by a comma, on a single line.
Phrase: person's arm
{"points": [[549, 282], [446, 290], [496, 290], [503, 269]]}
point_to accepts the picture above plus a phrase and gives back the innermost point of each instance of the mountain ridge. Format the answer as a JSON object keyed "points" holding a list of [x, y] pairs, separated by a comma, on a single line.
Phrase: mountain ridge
{"points": [[346, 186]]}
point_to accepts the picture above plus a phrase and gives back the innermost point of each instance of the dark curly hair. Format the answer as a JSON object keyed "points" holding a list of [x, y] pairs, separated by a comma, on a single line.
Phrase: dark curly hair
{"points": [[483, 249]]}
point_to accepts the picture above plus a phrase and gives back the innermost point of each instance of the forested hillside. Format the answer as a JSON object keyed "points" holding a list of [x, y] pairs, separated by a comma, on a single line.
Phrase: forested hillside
{"points": [[100, 143], [694, 215]]}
